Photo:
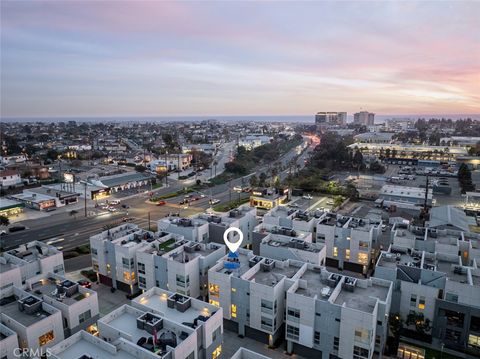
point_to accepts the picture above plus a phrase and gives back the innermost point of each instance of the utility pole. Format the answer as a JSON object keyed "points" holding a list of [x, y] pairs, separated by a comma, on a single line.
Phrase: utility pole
{"points": [[178, 167], [85, 198], [148, 220], [166, 169]]}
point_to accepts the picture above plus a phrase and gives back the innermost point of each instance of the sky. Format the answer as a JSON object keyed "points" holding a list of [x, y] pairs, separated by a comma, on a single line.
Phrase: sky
{"points": [[159, 58]]}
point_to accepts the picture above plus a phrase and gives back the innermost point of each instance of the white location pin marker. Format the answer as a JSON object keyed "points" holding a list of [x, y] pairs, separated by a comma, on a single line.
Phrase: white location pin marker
{"points": [[233, 246]]}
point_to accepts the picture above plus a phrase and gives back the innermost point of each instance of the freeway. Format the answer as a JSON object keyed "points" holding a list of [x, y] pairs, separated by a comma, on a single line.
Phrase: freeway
{"points": [[76, 231]]}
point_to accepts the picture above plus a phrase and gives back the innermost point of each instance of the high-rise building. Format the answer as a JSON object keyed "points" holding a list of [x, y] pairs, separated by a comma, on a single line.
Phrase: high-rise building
{"points": [[331, 118], [364, 118]]}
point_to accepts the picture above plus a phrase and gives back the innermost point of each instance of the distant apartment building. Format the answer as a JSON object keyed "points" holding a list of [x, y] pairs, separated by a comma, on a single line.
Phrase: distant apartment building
{"points": [[364, 118], [10, 179], [331, 118], [349, 241], [177, 265], [203, 321], [356, 311], [37, 324], [253, 141], [8, 342], [27, 261], [251, 291]]}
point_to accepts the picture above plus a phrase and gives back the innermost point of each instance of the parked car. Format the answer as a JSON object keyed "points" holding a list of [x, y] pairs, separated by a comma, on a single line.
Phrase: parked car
{"points": [[127, 219], [51, 209], [307, 196], [214, 201], [16, 228]]}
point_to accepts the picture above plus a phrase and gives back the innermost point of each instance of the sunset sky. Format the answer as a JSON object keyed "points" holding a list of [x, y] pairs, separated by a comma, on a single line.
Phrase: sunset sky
{"points": [[106, 58]]}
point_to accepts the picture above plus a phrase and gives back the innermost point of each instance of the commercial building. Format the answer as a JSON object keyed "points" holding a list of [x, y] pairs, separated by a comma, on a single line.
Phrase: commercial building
{"points": [[364, 118], [403, 196], [123, 181], [10, 208], [374, 137], [268, 198], [331, 118], [205, 319], [38, 325], [27, 261], [253, 141], [356, 311], [349, 241], [35, 201]]}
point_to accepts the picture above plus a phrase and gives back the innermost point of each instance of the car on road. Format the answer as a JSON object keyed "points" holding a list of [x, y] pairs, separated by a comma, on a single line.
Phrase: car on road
{"points": [[17, 228], [183, 201], [3, 232], [126, 206], [85, 283], [247, 189], [293, 205], [127, 219], [114, 202], [112, 209], [55, 240], [237, 189], [51, 209], [214, 201], [161, 203], [307, 196]]}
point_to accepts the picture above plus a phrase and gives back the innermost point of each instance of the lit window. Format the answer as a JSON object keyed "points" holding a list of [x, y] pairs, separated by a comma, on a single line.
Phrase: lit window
{"points": [[234, 290], [474, 340], [46, 338], [362, 258], [217, 352], [421, 303], [126, 276], [214, 302], [335, 251], [233, 310], [214, 290], [347, 254]]}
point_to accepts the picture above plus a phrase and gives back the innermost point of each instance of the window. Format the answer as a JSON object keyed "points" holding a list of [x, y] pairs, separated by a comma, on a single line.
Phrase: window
{"points": [[266, 306], [363, 244], [46, 338], [95, 266], [316, 338], [293, 314], [451, 297], [359, 352], [217, 352], [142, 282], [84, 316], [413, 300], [58, 269], [293, 332], [474, 341], [421, 303], [233, 310], [183, 281], [108, 268], [234, 290], [94, 251], [362, 258], [125, 263], [266, 323], [141, 268], [214, 302], [335, 251], [362, 335], [336, 343], [127, 277], [347, 254], [454, 319], [214, 290]]}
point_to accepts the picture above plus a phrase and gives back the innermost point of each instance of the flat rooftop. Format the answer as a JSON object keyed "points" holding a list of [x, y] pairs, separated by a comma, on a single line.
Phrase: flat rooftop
{"points": [[85, 347], [458, 275], [11, 309], [273, 276], [127, 323], [5, 267], [192, 250], [242, 268], [275, 240], [48, 287], [33, 251], [315, 286], [363, 299], [158, 303]]}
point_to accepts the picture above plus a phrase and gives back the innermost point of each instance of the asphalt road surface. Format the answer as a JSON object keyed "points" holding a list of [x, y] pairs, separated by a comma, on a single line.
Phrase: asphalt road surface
{"points": [[77, 230]]}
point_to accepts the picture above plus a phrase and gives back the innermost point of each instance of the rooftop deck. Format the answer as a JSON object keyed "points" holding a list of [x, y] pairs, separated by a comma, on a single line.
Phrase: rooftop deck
{"points": [[23, 317], [362, 299], [315, 286]]}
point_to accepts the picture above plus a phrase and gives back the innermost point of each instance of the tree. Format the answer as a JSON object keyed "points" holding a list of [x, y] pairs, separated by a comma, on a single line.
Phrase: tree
{"points": [[4, 221], [253, 181], [465, 178], [140, 168]]}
